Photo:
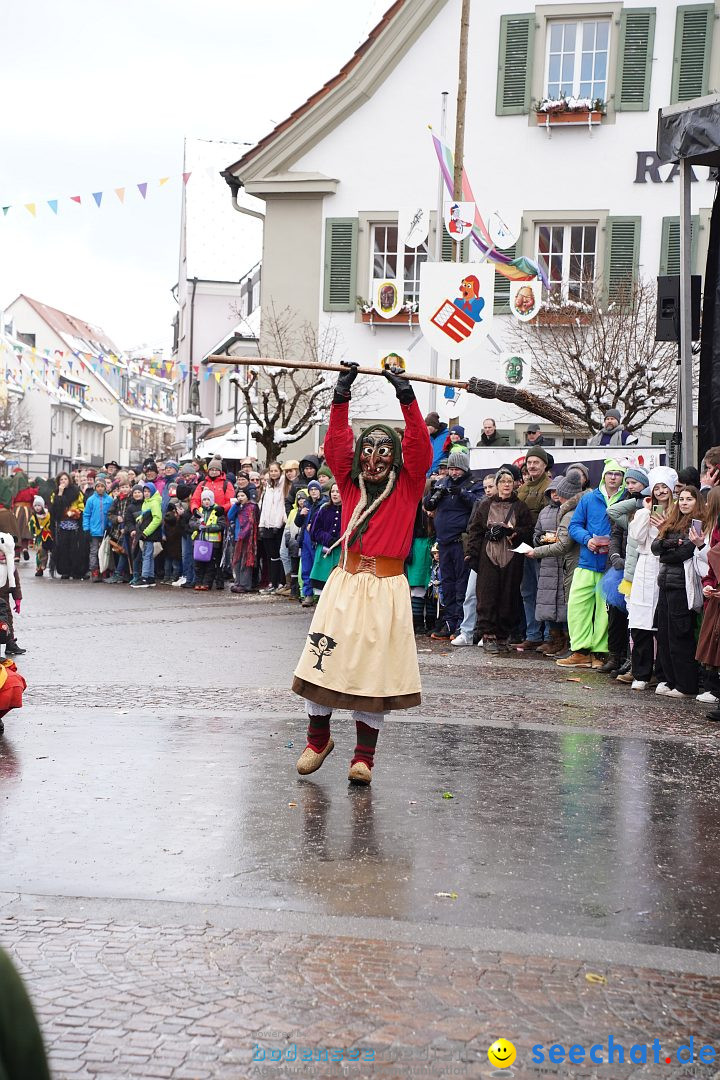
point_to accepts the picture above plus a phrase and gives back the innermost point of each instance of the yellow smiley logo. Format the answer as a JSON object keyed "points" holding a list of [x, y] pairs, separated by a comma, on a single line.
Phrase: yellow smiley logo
{"points": [[501, 1054]]}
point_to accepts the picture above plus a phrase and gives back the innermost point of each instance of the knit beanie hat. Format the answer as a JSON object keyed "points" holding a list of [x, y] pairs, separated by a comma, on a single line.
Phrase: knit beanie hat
{"points": [[432, 420], [207, 495], [505, 470], [101, 480], [171, 465], [325, 471], [314, 484], [187, 470], [215, 463], [138, 487], [538, 452], [570, 484], [637, 474], [614, 413], [38, 503], [457, 429], [459, 460]]}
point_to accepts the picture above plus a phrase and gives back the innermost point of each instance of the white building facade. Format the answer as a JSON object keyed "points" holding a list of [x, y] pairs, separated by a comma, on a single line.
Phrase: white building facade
{"points": [[591, 197], [87, 403]]}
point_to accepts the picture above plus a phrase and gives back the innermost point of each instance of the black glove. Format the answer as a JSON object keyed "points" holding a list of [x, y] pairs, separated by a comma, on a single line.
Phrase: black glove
{"points": [[345, 380], [403, 387]]}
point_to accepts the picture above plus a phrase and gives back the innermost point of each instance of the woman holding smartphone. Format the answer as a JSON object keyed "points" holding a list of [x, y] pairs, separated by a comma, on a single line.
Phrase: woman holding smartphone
{"points": [[679, 594], [707, 559], [643, 599]]}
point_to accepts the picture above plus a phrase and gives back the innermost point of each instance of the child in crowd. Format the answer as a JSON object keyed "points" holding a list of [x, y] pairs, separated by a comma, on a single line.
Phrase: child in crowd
{"points": [[489, 485], [293, 540], [183, 494], [131, 533], [41, 531], [150, 530], [95, 521], [679, 595], [116, 530], [243, 520], [172, 536], [434, 610], [324, 532], [208, 523], [307, 515]]}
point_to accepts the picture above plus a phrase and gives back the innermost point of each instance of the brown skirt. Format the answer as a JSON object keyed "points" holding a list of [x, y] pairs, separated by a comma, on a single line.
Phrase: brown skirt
{"points": [[360, 651], [708, 647]]}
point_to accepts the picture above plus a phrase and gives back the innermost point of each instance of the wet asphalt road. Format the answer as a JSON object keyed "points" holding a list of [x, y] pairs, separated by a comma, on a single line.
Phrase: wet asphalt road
{"points": [[152, 762]]}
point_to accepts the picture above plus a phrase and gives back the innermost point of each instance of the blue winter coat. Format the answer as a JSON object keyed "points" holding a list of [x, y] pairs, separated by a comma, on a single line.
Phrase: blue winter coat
{"points": [[95, 514], [452, 502], [591, 519], [438, 441]]}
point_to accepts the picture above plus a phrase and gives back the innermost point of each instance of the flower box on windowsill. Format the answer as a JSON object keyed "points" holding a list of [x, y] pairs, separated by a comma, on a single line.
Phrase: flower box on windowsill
{"points": [[578, 118], [403, 318], [563, 315]]}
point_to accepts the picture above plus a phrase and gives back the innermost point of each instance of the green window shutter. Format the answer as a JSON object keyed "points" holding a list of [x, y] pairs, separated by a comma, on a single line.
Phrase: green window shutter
{"points": [[502, 287], [670, 245], [517, 35], [637, 36], [622, 251], [691, 54], [339, 293], [448, 244]]}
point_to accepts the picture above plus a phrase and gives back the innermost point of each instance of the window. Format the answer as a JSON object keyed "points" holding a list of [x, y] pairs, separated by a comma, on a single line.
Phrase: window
{"points": [[218, 396], [27, 339], [569, 252], [577, 58], [388, 262]]}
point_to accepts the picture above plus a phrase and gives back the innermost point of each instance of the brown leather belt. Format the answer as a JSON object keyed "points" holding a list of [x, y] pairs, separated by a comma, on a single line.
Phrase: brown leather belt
{"points": [[379, 565]]}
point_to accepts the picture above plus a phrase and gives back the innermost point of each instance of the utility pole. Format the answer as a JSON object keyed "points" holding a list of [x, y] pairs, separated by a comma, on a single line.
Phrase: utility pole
{"points": [[460, 137]]}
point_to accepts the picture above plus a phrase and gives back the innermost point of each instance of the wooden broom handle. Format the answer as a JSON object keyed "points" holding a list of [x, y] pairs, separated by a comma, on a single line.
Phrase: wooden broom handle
{"points": [[304, 365]]}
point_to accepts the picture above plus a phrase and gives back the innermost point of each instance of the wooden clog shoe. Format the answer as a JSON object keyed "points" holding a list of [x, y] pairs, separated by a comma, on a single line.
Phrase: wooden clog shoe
{"points": [[310, 761], [359, 773]]}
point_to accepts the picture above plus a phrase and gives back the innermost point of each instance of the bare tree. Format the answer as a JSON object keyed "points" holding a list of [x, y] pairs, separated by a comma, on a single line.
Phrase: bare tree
{"points": [[14, 425], [591, 357], [286, 404]]}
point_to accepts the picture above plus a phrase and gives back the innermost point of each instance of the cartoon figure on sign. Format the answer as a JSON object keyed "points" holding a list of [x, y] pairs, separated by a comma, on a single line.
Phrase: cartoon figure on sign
{"points": [[324, 645], [469, 299], [514, 370], [393, 360], [388, 297], [525, 300], [456, 224]]}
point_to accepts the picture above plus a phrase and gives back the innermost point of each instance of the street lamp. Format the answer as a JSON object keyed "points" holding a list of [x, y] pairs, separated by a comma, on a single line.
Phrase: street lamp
{"points": [[193, 421]]}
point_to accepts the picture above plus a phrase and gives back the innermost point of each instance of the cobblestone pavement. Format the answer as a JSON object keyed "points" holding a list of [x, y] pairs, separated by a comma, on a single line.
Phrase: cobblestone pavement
{"points": [[196, 1002], [179, 903]]}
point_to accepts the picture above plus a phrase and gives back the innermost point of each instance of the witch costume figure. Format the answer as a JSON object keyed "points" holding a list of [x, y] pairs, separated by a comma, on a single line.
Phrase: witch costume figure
{"points": [[360, 652]]}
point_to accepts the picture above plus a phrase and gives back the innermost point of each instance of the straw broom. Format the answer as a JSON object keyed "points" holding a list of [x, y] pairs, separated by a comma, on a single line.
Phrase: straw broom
{"points": [[483, 388]]}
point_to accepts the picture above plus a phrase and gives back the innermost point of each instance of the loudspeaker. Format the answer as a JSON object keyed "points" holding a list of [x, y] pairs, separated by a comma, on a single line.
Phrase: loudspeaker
{"points": [[668, 308]]}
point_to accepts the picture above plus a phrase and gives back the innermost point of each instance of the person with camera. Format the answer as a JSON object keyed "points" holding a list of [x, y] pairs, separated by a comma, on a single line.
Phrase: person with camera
{"points": [[451, 501], [500, 524]]}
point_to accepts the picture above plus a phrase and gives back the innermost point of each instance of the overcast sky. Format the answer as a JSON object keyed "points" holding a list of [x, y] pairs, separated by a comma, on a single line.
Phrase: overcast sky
{"points": [[99, 95]]}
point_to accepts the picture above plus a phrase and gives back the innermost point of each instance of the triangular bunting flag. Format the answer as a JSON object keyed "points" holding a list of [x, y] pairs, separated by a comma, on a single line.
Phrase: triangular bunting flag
{"points": [[97, 196], [186, 177], [76, 198], [31, 207], [120, 192], [163, 180], [142, 188], [53, 204], [5, 210]]}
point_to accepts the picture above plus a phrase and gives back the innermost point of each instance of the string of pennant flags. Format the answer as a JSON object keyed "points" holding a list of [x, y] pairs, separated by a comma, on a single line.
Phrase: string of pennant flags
{"points": [[101, 198], [27, 367]]}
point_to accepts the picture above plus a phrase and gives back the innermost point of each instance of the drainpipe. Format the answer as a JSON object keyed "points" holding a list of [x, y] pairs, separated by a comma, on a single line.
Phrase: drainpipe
{"points": [[192, 337], [234, 184]]}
